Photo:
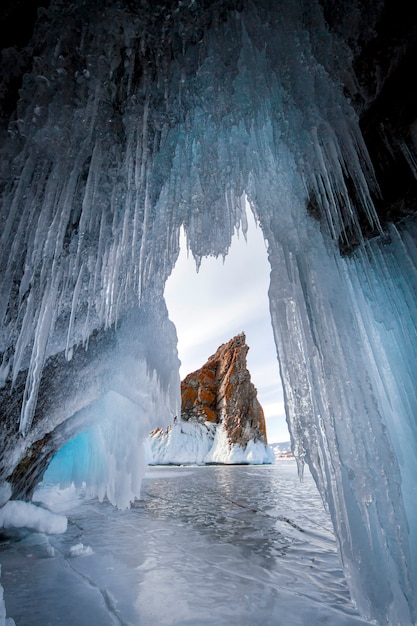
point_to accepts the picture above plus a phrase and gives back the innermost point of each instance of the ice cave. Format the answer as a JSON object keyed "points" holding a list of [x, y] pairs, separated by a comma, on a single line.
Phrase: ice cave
{"points": [[123, 121]]}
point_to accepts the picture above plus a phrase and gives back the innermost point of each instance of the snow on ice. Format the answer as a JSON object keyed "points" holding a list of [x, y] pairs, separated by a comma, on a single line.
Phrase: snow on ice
{"points": [[17, 514]]}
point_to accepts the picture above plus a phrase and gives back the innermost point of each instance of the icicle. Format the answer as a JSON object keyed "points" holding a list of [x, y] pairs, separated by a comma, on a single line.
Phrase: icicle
{"points": [[75, 296], [25, 336], [43, 331], [4, 371]]}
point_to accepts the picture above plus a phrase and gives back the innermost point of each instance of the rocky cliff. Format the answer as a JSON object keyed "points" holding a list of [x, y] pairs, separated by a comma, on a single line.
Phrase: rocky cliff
{"points": [[221, 418], [222, 391]]}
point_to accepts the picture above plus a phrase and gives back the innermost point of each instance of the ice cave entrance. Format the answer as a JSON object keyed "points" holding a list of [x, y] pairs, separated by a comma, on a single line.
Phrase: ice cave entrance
{"points": [[222, 299]]}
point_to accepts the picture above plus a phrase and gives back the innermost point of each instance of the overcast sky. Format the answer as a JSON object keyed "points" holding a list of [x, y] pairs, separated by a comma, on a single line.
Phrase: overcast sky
{"points": [[220, 301]]}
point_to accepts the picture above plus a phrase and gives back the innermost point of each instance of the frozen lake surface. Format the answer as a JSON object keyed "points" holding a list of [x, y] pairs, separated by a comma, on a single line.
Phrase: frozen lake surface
{"points": [[214, 545]]}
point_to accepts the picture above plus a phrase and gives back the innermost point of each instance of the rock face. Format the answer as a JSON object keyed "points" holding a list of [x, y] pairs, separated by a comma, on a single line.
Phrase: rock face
{"points": [[221, 391], [221, 419]]}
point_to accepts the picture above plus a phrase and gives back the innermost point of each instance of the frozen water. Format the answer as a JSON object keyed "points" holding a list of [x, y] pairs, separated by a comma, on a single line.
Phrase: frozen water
{"points": [[205, 545], [127, 129], [4, 621]]}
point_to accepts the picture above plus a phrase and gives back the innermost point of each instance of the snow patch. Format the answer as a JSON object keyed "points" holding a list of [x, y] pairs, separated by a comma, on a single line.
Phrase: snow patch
{"points": [[80, 550], [18, 514]]}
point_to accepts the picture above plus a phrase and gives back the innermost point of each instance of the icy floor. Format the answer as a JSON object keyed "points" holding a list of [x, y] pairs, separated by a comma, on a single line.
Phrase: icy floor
{"points": [[216, 545]]}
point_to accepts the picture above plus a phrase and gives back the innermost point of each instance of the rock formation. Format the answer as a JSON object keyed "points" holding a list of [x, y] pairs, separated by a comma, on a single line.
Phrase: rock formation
{"points": [[222, 391], [221, 419]]}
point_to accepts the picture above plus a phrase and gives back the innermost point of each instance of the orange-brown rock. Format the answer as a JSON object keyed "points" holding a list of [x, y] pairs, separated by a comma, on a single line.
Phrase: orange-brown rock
{"points": [[222, 391]]}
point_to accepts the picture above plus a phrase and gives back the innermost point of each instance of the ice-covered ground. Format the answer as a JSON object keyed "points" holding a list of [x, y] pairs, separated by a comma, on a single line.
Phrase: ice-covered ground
{"points": [[216, 545]]}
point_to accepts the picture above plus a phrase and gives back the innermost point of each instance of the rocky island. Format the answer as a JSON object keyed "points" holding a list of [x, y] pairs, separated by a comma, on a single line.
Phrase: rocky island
{"points": [[221, 418]]}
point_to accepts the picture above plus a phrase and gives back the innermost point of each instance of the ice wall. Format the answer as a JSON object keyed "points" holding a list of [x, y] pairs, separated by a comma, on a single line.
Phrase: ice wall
{"points": [[347, 417], [135, 120]]}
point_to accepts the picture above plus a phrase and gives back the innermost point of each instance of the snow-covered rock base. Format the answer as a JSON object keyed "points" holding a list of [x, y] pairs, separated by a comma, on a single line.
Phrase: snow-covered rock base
{"points": [[193, 442]]}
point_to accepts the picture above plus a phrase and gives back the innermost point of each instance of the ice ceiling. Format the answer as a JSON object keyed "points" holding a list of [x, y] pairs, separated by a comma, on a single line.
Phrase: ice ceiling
{"points": [[123, 121]]}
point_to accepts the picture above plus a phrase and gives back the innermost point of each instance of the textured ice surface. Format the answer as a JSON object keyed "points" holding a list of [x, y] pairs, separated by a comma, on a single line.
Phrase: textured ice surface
{"points": [[125, 131], [4, 621], [206, 545]]}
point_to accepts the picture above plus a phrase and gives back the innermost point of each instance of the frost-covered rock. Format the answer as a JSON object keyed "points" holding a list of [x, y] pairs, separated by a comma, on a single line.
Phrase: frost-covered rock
{"points": [[221, 391]]}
